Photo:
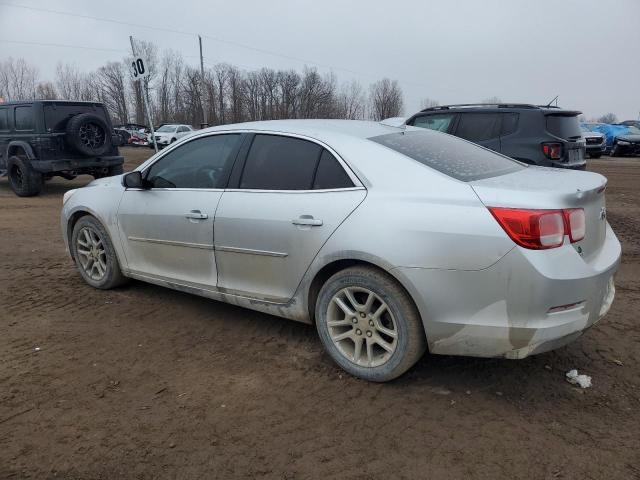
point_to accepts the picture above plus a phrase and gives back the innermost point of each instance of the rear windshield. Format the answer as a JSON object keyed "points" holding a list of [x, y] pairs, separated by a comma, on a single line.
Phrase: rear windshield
{"points": [[452, 156], [56, 116], [563, 127]]}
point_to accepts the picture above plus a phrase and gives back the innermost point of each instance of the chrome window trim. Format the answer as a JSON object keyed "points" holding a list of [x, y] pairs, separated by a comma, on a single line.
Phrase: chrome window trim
{"points": [[350, 172]]}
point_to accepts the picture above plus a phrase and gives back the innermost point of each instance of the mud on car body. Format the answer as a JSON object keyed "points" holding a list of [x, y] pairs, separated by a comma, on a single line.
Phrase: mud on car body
{"points": [[43, 139]]}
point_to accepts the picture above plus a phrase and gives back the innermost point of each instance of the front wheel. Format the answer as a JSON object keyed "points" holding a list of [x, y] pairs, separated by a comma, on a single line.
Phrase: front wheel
{"points": [[614, 151], [94, 254], [368, 324]]}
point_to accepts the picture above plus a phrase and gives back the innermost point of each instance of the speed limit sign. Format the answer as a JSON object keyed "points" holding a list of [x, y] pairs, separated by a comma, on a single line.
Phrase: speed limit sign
{"points": [[139, 68]]}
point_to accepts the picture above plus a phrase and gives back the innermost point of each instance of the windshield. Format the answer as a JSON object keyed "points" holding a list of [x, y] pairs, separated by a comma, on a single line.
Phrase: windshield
{"points": [[452, 156], [167, 128]]}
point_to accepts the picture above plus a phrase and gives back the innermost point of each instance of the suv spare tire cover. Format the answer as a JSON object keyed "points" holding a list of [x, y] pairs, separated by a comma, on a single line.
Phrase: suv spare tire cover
{"points": [[88, 134]]}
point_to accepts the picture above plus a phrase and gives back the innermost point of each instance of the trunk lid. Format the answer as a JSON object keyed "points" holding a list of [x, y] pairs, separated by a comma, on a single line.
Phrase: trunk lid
{"points": [[552, 188], [564, 125]]}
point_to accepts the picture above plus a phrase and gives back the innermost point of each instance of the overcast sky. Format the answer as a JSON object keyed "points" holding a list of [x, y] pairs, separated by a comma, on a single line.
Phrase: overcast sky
{"points": [[585, 51]]}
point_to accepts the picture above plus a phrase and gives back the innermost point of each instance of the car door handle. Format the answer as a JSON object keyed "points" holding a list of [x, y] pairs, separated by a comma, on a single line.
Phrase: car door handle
{"points": [[196, 214], [307, 221]]}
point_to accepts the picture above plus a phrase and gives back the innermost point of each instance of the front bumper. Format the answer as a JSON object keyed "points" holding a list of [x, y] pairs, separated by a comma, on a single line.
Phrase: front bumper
{"points": [[76, 164], [505, 310]]}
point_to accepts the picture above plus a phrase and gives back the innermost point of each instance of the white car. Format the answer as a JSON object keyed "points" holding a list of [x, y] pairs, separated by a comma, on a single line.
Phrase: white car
{"points": [[170, 133], [390, 240]]}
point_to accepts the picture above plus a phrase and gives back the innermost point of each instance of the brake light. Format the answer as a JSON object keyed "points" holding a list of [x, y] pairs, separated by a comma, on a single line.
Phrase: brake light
{"points": [[541, 229], [576, 224], [552, 151]]}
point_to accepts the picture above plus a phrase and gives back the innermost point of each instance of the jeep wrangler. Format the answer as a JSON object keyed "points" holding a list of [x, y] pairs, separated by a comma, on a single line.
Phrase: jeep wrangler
{"points": [[47, 138]]}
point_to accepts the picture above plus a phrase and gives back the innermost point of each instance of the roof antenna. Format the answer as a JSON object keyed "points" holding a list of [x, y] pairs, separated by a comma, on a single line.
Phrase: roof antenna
{"points": [[555, 99]]}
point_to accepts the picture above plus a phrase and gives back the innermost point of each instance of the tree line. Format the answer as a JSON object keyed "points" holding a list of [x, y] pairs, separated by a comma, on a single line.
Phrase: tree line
{"points": [[179, 93]]}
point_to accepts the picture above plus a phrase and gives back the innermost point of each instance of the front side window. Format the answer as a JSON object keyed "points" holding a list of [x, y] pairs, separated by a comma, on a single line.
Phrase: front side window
{"points": [[201, 163], [476, 127], [440, 122], [167, 129], [276, 162], [4, 119], [24, 118]]}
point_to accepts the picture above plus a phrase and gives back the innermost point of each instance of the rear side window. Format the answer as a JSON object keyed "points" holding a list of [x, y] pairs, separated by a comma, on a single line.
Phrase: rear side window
{"points": [[200, 163], [440, 122], [276, 162], [330, 173], [476, 127], [509, 123], [453, 157], [24, 118], [4, 119], [563, 126]]}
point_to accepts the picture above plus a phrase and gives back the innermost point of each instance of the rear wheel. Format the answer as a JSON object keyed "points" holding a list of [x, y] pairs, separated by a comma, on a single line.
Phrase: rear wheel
{"points": [[368, 324], [94, 254], [24, 180]]}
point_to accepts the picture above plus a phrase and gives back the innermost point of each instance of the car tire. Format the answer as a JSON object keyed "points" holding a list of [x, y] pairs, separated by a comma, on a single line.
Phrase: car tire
{"points": [[88, 134], [94, 254], [614, 151], [115, 170], [398, 326], [595, 155], [23, 179]]}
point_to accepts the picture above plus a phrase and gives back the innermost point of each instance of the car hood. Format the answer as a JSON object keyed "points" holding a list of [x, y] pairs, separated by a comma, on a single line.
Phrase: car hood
{"points": [[106, 181], [629, 138]]}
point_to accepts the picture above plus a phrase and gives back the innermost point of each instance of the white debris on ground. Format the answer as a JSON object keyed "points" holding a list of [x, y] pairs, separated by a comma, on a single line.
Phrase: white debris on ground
{"points": [[583, 380]]}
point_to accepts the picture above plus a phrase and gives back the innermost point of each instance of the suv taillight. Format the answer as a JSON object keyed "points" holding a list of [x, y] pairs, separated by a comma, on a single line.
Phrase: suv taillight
{"points": [[552, 151], [541, 229]]}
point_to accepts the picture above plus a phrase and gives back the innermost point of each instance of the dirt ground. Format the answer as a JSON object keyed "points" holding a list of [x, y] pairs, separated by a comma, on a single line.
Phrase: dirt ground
{"points": [[144, 382]]}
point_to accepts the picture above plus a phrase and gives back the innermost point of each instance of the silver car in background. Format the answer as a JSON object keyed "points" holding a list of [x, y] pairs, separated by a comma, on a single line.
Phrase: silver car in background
{"points": [[390, 240]]}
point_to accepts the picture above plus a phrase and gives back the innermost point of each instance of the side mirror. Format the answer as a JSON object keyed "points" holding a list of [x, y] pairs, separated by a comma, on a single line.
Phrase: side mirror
{"points": [[133, 180]]}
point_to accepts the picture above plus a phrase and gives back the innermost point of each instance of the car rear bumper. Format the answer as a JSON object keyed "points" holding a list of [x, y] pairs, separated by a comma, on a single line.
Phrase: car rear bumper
{"points": [[511, 308], [48, 166]]}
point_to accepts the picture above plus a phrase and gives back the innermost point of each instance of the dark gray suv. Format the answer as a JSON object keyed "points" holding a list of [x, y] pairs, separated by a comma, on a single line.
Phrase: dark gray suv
{"points": [[537, 135]]}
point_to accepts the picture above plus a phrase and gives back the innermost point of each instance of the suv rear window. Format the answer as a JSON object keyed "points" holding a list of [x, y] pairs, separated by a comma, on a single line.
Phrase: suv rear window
{"points": [[563, 126], [456, 158]]}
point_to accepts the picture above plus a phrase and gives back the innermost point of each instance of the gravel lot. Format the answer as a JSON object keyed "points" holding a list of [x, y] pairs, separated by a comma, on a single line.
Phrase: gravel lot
{"points": [[144, 382]]}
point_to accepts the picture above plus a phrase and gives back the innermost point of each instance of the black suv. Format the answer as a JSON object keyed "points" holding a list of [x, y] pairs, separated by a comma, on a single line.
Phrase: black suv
{"points": [[537, 135], [42, 139]]}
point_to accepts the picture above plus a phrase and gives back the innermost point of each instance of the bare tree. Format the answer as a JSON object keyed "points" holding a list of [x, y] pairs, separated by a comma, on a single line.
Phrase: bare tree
{"points": [[608, 118], [351, 101], [111, 80], [46, 91], [385, 99], [492, 100], [428, 103], [17, 80]]}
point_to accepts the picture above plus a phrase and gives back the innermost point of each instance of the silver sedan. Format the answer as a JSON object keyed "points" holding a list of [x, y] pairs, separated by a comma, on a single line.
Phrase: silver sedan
{"points": [[390, 240]]}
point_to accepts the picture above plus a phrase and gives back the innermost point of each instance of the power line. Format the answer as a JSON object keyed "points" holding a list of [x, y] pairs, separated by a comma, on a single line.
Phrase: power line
{"points": [[60, 45], [210, 37]]}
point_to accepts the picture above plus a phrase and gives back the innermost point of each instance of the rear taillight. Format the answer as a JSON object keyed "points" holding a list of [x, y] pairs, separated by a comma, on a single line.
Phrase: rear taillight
{"points": [[576, 224], [541, 229], [552, 151]]}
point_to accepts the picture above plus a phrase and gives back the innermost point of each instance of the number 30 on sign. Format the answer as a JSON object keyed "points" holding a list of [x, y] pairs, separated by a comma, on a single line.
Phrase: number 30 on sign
{"points": [[139, 68]]}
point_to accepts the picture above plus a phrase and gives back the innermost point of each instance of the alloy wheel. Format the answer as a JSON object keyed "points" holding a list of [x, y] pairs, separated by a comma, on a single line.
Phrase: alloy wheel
{"points": [[362, 326], [91, 253]]}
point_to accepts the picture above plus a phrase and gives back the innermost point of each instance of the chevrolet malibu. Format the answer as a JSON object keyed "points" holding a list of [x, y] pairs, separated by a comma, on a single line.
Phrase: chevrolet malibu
{"points": [[390, 240]]}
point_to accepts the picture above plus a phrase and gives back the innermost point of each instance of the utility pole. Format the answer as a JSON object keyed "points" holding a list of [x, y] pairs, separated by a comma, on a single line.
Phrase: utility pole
{"points": [[205, 124], [145, 98]]}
